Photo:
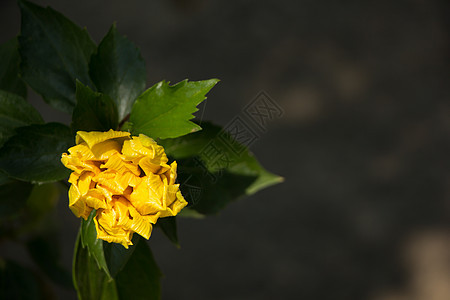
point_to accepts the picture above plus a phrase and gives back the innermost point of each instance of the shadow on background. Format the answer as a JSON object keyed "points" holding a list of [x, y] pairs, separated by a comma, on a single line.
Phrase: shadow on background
{"points": [[363, 143]]}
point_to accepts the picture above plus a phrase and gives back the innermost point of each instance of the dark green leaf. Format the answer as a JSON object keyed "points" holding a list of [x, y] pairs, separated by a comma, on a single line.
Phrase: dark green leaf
{"points": [[15, 112], [94, 246], [169, 226], [236, 159], [118, 70], [117, 255], [140, 278], [208, 193], [13, 196], [54, 52], [135, 273], [89, 280], [190, 213], [42, 200], [46, 255], [17, 282], [34, 153], [9, 69], [215, 169], [164, 111], [94, 111]]}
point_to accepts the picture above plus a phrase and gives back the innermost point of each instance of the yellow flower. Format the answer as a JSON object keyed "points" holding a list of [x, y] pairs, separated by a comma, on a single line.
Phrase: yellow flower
{"points": [[126, 179]]}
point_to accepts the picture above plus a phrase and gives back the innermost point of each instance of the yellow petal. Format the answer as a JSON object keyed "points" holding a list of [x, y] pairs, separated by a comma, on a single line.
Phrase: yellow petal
{"points": [[152, 218], [137, 147], [106, 149], [95, 199], [171, 193], [122, 216], [78, 165], [170, 176], [76, 204], [148, 195], [117, 162], [107, 180], [175, 207], [108, 193], [153, 166], [139, 224], [94, 137], [112, 235], [128, 151], [173, 173], [73, 178], [126, 179], [84, 182], [146, 141], [81, 151]]}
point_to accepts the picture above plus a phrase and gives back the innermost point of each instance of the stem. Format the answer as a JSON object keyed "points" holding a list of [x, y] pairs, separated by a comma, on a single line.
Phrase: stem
{"points": [[127, 117]]}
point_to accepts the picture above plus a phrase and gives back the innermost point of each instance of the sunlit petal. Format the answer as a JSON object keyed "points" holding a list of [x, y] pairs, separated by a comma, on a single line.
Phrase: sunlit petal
{"points": [[127, 180], [94, 137]]}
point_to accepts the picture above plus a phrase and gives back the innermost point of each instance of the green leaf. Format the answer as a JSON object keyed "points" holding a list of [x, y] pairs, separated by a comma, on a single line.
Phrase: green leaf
{"points": [[118, 70], [94, 111], [13, 196], [94, 246], [46, 255], [15, 112], [117, 255], [216, 189], [42, 200], [89, 280], [9, 69], [215, 169], [54, 52], [140, 278], [34, 153], [168, 226], [190, 213], [164, 111]]}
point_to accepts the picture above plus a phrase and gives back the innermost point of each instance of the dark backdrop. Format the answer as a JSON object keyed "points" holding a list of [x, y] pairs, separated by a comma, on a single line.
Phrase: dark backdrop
{"points": [[363, 143]]}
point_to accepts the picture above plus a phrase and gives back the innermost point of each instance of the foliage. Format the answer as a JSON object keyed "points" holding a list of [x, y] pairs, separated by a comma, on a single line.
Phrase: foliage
{"points": [[103, 87]]}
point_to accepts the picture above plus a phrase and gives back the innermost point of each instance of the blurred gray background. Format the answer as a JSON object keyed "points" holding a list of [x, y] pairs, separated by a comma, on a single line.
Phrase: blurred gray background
{"points": [[363, 143]]}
